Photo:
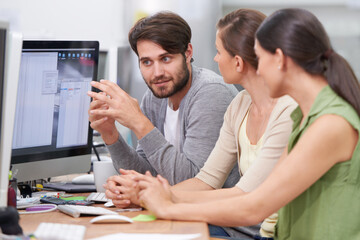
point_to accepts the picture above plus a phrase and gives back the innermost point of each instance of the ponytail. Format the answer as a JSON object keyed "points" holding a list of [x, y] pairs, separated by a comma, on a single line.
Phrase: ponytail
{"points": [[301, 36], [342, 79]]}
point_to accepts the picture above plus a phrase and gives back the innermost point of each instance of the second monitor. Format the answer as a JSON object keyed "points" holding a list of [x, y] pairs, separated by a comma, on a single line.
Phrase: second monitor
{"points": [[52, 135]]}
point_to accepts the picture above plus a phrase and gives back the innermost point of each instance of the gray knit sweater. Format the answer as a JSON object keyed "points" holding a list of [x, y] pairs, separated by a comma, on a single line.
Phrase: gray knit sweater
{"points": [[201, 116]]}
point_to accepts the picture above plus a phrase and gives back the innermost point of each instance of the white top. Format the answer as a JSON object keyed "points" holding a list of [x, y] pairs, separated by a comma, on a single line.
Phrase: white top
{"points": [[172, 127], [227, 151], [249, 152]]}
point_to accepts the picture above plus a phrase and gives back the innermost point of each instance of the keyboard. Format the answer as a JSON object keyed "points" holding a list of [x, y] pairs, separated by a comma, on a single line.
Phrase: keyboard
{"points": [[97, 197], [60, 231], [77, 210]]}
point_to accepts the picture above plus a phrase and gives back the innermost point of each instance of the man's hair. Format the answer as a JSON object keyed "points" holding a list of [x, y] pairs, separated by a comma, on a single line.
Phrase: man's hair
{"points": [[167, 29]]}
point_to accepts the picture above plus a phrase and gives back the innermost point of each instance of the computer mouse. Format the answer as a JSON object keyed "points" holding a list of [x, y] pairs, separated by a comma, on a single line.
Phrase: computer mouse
{"points": [[87, 179], [109, 204], [111, 219]]}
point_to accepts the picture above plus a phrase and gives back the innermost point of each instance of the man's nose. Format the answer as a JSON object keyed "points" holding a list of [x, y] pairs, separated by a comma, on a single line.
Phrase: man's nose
{"points": [[158, 69]]}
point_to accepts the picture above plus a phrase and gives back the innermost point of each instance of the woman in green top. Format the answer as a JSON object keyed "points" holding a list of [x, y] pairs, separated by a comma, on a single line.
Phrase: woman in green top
{"points": [[316, 182]]}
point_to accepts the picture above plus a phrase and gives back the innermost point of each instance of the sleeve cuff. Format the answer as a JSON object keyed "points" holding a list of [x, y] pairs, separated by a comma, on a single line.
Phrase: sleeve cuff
{"points": [[117, 144], [151, 142]]}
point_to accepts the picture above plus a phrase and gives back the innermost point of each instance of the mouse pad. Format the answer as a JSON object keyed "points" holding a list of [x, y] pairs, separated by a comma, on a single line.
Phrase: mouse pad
{"points": [[71, 188]]}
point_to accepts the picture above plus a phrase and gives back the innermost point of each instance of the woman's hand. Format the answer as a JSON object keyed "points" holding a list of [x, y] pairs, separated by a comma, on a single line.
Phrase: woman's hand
{"points": [[155, 194]]}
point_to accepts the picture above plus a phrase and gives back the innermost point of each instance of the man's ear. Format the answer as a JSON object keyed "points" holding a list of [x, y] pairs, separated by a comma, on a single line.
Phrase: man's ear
{"points": [[280, 59], [189, 53], [239, 64]]}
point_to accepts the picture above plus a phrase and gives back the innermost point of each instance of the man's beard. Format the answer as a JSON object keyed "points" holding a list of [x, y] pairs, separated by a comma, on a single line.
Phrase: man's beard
{"points": [[183, 75]]}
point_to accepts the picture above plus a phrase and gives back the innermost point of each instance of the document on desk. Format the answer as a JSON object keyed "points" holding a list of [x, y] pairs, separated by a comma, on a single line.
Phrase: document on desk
{"points": [[148, 236]]}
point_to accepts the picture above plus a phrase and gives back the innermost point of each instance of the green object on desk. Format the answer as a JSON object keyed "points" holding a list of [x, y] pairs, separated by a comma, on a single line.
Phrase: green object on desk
{"points": [[74, 198], [144, 218]]}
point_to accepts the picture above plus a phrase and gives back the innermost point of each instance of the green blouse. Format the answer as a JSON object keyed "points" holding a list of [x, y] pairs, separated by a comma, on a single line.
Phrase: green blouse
{"points": [[330, 208]]}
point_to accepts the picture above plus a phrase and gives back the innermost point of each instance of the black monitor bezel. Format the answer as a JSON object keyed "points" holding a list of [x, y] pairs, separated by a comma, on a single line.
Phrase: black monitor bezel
{"points": [[65, 151]]}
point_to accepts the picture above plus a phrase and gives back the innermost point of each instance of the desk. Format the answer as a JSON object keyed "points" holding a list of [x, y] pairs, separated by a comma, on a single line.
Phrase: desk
{"points": [[29, 223]]}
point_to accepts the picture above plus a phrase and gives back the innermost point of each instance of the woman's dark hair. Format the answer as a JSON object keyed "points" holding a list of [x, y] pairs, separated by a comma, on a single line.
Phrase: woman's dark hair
{"points": [[237, 33], [301, 36], [167, 29]]}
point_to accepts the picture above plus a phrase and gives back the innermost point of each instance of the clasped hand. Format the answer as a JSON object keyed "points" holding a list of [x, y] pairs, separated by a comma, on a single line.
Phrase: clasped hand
{"points": [[150, 192], [155, 194], [122, 189]]}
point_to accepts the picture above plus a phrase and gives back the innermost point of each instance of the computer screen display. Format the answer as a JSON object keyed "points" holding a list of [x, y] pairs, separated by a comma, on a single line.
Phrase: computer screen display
{"points": [[51, 119]]}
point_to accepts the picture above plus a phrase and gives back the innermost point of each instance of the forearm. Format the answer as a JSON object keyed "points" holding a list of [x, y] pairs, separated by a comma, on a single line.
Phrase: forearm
{"points": [[236, 211], [110, 137], [205, 195], [191, 184], [126, 157], [142, 127]]}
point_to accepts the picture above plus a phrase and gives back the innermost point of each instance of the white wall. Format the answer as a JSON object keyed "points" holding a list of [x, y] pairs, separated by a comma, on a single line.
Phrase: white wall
{"points": [[68, 19], [103, 21], [341, 19]]}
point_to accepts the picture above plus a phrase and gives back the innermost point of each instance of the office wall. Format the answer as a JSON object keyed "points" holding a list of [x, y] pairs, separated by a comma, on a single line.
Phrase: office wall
{"points": [[68, 19], [341, 19]]}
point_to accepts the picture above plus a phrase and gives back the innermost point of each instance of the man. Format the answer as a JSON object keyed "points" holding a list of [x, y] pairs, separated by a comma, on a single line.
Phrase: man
{"points": [[181, 113]]}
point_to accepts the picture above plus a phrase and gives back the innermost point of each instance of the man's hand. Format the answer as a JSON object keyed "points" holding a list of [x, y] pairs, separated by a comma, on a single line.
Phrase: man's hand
{"points": [[122, 189], [155, 193], [104, 125], [121, 107]]}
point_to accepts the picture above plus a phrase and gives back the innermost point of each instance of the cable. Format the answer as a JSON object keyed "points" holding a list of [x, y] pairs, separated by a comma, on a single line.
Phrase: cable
{"points": [[39, 208]]}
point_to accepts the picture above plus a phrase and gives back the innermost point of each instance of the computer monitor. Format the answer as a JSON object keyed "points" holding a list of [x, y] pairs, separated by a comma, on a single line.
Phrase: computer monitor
{"points": [[52, 134], [10, 53]]}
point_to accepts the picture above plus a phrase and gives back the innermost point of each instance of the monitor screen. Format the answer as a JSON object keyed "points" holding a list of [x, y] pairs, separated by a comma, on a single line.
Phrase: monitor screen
{"points": [[51, 119]]}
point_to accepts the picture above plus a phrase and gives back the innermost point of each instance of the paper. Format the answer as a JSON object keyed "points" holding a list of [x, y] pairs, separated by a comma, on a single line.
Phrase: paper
{"points": [[144, 218], [148, 236]]}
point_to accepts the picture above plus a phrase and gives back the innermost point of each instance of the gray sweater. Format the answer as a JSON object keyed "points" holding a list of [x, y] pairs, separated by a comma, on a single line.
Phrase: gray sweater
{"points": [[201, 115]]}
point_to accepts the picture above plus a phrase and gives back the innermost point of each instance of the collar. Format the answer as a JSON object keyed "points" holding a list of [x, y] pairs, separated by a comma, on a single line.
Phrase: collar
{"points": [[322, 100]]}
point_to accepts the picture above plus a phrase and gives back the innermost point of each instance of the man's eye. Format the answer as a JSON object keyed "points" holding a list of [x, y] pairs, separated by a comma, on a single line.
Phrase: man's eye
{"points": [[166, 59], [146, 62]]}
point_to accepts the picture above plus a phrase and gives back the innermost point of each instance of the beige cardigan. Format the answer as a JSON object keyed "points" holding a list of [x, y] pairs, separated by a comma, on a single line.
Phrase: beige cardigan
{"points": [[227, 150]]}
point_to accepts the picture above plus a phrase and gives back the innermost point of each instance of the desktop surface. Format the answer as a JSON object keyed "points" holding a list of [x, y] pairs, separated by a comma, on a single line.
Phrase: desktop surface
{"points": [[30, 222]]}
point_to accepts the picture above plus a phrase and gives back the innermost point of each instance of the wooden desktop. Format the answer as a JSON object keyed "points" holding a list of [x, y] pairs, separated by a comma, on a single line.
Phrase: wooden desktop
{"points": [[29, 223]]}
